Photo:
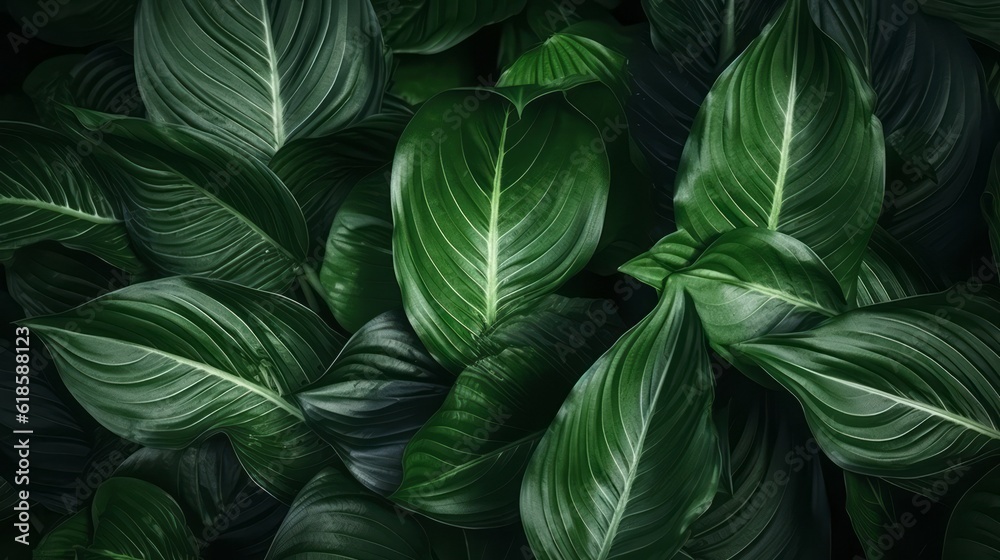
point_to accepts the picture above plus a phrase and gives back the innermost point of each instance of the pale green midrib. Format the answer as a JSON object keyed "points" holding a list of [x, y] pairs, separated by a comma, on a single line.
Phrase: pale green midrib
{"points": [[728, 40], [278, 109], [215, 372], [732, 281], [493, 236], [60, 210], [916, 405], [786, 144]]}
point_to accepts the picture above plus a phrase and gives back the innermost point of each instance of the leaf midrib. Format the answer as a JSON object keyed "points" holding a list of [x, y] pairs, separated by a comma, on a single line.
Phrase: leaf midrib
{"points": [[277, 104], [752, 286], [493, 235], [55, 208], [786, 145]]}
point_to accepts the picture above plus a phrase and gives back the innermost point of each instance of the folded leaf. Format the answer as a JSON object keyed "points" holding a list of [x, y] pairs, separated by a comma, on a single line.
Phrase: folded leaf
{"points": [[335, 517], [674, 252], [501, 208], [198, 206], [431, 26], [214, 356], [631, 460], [262, 73], [905, 389], [787, 140], [380, 390], [357, 273], [50, 193], [465, 465], [972, 529]]}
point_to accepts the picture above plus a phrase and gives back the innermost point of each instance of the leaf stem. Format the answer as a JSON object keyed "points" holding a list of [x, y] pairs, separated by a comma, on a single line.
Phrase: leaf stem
{"points": [[311, 287]]}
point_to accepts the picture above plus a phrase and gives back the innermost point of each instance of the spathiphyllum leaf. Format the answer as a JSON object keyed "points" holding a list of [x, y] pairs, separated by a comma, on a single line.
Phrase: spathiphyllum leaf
{"points": [[335, 517], [431, 26], [777, 507], [890, 272], [199, 206], [905, 389], [321, 172], [49, 192], [980, 19], [871, 507], [261, 72], [674, 252], [991, 206], [498, 410], [74, 24], [787, 140], [188, 342], [973, 528], [47, 278], [503, 207], [357, 273], [631, 459], [380, 390], [753, 281]]}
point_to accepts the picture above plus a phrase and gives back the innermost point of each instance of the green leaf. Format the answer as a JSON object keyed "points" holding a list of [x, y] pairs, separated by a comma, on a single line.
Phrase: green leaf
{"points": [[972, 529], [543, 19], [432, 26], [214, 356], [631, 460], [752, 281], [230, 514], [674, 252], [991, 205], [72, 23], [979, 19], [890, 272], [902, 390], [357, 275], [380, 390], [787, 140], [134, 519], [496, 212], [105, 81], [321, 172], [417, 78], [239, 222], [871, 506], [47, 278], [335, 517], [60, 543], [262, 73], [51, 193], [465, 465], [453, 543], [778, 507]]}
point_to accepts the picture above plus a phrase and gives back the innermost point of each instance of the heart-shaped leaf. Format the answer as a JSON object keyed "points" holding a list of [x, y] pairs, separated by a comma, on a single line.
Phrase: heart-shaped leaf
{"points": [[263, 73], [631, 460], [495, 213], [787, 140], [182, 342]]}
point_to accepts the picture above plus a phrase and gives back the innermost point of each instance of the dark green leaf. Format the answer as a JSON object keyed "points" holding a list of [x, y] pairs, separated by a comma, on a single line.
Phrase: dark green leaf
{"points": [[380, 390], [674, 252], [431, 26], [991, 206], [871, 506], [60, 543], [335, 517], [417, 77], [981, 19], [787, 140], [214, 356], [631, 460], [491, 212], [262, 73], [973, 527], [543, 19], [889, 272], [74, 23], [453, 543], [47, 278]]}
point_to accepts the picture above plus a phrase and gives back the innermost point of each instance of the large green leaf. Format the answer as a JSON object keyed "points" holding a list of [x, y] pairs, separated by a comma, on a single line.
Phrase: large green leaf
{"points": [[135, 519], [321, 172], [357, 275], [335, 517], [50, 192], [787, 140], [47, 278], [431, 26], [905, 389], [979, 18], [502, 208], [991, 205], [754, 281], [380, 390], [465, 465], [631, 460], [261, 72], [890, 272], [777, 508], [974, 527], [198, 206], [74, 23], [214, 356], [230, 515]]}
